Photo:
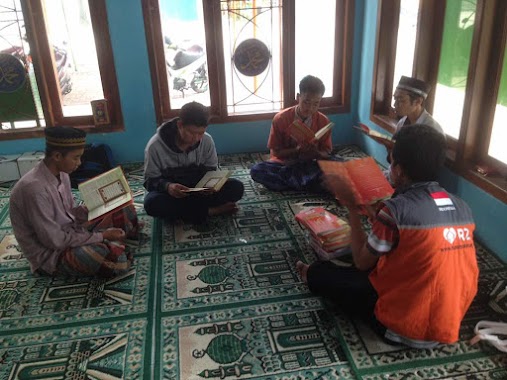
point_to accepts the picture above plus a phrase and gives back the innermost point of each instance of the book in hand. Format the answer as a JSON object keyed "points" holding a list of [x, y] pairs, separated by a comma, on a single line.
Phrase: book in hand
{"points": [[212, 180], [384, 138], [363, 176], [106, 192], [302, 134]]}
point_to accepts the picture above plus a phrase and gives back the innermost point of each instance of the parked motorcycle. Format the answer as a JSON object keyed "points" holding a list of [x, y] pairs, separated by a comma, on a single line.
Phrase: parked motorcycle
{"points": [[186, 67], [63, 67]]}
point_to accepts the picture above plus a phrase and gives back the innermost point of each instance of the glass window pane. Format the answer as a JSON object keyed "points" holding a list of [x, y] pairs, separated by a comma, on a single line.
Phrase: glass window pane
{"points": [[499, 132], [454, 60], [22, 102], [252, 50], [315, 28], [185, 51], [71, 37], [405, 43]]}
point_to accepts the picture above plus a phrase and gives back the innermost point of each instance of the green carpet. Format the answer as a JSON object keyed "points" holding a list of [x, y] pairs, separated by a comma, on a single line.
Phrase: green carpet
{"points": [[218, 301]]}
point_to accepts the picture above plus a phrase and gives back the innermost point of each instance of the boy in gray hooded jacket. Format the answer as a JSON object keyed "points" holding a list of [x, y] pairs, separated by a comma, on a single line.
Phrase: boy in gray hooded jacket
{"points": [[175, 159]]}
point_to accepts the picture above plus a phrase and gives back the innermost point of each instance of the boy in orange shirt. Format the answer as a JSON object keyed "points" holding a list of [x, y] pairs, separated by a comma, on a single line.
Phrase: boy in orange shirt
{"points": [[292, 164]]}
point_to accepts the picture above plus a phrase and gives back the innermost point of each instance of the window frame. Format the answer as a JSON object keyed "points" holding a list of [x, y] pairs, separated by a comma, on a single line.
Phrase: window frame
{"points": [[47, 77], [485, 66], [339, 103]]}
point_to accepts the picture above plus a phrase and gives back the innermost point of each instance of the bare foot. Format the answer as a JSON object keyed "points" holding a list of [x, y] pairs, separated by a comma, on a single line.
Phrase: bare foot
{"points": [[226, 208], [302, 269]]}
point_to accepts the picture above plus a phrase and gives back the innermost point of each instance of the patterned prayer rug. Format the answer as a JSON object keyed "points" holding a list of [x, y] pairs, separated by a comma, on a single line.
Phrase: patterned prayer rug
{"points": [[216, 301]]}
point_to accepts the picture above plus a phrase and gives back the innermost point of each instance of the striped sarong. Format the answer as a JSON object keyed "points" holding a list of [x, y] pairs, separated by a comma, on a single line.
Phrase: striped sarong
{"points": [[106, 259]]}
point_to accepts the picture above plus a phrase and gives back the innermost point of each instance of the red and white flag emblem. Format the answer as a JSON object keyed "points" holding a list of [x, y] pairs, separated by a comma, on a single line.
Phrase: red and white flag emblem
{"points": [[441, 198]]}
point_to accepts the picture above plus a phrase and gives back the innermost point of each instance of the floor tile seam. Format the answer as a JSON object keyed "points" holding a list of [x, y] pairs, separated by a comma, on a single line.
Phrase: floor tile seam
{"points": [[232, 305]]}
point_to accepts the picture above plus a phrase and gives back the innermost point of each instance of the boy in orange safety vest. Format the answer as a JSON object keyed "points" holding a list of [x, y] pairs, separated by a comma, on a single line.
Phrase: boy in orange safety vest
{"points": [[416, 273]]}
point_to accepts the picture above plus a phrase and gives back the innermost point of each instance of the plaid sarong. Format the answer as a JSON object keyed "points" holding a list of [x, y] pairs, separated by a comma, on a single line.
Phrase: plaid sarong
{"points": [[105, 259]]}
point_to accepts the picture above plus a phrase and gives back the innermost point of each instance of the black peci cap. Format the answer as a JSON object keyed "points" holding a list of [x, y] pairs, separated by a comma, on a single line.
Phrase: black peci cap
{"points": [[65, 137], [414, 85]]}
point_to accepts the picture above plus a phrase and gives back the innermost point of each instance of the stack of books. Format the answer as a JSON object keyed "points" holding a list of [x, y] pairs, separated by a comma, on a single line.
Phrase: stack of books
{"points": [[328, 235]]}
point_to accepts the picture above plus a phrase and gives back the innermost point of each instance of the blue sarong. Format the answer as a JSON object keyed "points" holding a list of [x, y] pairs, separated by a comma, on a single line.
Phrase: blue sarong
{"points": [[300, 176]]}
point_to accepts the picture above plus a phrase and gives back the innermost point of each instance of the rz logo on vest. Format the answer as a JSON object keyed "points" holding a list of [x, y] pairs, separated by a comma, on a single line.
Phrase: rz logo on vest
{"points": [[450, 234]]}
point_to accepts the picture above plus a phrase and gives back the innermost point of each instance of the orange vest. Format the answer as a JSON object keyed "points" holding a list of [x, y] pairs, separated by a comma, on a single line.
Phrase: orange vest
{"points": [[426, 284]]}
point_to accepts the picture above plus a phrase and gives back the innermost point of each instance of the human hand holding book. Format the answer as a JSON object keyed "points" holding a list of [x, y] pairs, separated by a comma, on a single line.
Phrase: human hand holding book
{"points": [[381, 138], [356, 182], [303, 135], [105, 193], [177, 190], [211, 182]]}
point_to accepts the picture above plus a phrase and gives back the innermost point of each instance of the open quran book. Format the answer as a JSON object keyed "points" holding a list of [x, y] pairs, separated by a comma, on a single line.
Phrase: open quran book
{"points": [[105, 193], [376, 135], [212, 180], [364, 177], [301, 133]]}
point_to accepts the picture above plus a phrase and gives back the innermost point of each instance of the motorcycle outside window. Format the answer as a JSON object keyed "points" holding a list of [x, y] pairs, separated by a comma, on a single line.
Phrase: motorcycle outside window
{"points": [[185, 52], [66, 66], [245, 58]]}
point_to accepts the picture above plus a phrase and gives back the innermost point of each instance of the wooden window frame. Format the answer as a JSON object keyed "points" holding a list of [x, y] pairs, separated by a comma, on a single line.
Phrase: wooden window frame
{"points": [[490, 33], [47, 76], [339, 103], [431, 18]]}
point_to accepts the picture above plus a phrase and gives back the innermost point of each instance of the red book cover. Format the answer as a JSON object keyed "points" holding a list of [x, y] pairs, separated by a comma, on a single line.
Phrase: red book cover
{"points": [[321, 223], [300, 132], [364, 177]]}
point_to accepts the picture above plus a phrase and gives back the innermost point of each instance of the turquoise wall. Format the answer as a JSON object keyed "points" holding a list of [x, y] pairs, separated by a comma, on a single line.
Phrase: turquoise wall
{"points": [[132, 69], [490, 214]]}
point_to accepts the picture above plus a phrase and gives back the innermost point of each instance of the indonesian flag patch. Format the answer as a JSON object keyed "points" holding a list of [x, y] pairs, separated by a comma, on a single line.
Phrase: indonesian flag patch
{"points": [[441, 198]]}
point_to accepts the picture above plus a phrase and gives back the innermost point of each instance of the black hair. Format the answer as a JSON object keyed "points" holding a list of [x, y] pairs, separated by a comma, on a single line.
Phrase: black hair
{"points": [[420, 151], [194, 113], [311, 85], [64, 135]]}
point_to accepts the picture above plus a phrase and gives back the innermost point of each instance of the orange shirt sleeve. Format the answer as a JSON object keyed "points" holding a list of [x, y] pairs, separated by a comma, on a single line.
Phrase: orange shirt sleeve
{"points": [[278, 136]]}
